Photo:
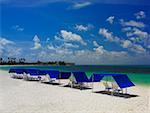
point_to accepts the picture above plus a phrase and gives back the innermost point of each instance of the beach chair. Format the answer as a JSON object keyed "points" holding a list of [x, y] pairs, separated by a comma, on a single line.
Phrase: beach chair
{"points": [[107, 87], [45, 79], [79, 79], [16, 73], [51, 76], [115, 88], [32, 75], [12, 72]]}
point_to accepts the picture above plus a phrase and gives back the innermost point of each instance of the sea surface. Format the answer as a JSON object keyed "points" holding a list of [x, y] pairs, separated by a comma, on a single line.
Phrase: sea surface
{"points": [[137, 73]]}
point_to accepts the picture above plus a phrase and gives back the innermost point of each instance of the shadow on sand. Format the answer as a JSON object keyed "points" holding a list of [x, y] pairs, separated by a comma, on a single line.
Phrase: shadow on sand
{"points": [[51, 83], [123, 95], [78, 87]]}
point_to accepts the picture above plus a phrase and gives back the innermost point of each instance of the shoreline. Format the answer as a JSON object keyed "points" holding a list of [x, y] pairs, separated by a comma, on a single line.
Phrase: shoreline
{"points": [[96, 68]]}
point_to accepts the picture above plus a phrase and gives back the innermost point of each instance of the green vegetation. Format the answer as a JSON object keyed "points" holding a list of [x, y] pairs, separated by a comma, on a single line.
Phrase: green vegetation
{"points": [[22, 61]]}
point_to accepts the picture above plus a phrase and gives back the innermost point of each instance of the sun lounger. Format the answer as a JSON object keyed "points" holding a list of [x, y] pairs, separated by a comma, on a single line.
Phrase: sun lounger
{"points": [[107, 87], [79, 79], [122, 81], [51, 76], [32, 75], [115, 88]]}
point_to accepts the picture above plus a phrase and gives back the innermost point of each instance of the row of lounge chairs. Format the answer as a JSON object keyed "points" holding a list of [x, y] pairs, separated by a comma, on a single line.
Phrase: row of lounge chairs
{"points": [[77, 79]]}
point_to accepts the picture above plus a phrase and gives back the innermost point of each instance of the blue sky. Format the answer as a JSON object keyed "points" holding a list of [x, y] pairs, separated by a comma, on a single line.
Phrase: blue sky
{"points": [[80, 31]]}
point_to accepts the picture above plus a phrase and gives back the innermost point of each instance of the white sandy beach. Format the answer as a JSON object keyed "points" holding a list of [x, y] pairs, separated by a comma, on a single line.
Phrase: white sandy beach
{"points": [[19, 96]]}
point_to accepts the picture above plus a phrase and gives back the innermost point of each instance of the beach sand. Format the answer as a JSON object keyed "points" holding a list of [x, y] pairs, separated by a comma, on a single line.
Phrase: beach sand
{"points": [[19, 96]]}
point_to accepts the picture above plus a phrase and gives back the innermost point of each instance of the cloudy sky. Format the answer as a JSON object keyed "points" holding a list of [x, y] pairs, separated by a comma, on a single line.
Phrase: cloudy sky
{"points": [[80, 31]]}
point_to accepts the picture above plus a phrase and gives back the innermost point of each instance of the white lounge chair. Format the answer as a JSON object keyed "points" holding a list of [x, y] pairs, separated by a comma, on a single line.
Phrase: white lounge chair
{"points": [[116, 88], [28, 77], [107, 87]]}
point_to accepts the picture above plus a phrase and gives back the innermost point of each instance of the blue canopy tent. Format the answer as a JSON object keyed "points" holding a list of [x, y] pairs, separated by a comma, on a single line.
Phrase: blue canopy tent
{"points": [[33, 74], [16, 73], [121, 79], [65, 75], [41, 72], [53, 73], [80, 79], [56, 75], [12, 70], [50, 76]]}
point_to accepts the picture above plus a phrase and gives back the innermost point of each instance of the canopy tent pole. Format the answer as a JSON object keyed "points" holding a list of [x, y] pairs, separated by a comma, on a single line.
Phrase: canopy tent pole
{"points": [[92, 83], [112, 93], [106, 79], [59, 77], [126, 91]]}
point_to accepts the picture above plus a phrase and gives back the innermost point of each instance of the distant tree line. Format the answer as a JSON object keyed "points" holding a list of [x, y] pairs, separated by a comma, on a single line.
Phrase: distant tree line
{"points": [[22, 61]]}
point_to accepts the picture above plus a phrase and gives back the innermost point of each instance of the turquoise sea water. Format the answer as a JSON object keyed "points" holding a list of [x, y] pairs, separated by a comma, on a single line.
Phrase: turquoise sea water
{"points": [[138, 74]]}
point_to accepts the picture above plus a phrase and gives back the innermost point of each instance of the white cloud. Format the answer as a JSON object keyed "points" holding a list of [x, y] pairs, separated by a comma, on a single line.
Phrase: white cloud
{"points": [[138, 36], [126, 44], [4, 41], [8, 48], [108, 35], [140, 15], [123, 43], [37, 44], [36, 39], [138, 48], [51, 47], [138, 32], [95, 44], [59, 50], [99, 56], [125, 29], [68, 36], [81, 5], [99, 50], [70, 45], [110, 19], [132, 23], [13, 51], [118, 54], [17, 28], [83, 28]]}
